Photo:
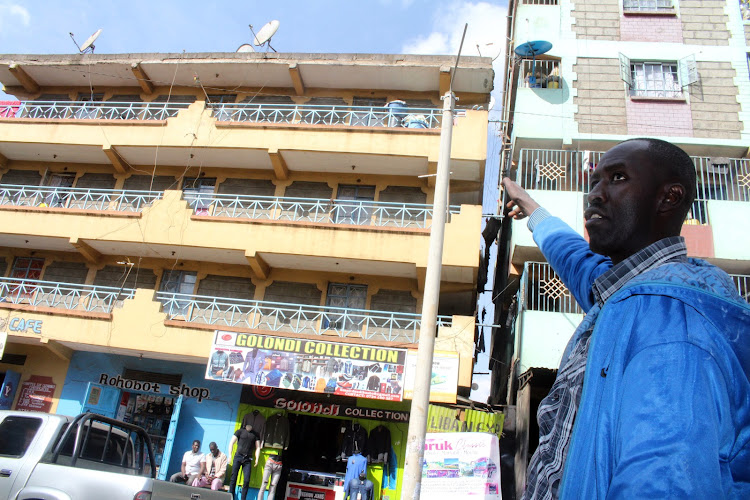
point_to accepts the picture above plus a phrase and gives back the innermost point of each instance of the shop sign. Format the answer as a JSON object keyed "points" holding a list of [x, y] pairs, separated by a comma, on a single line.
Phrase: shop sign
{"points": [[36, 394], [21, 325], [461, 465], [444, 378], [199, 393], [308, 365], [294, 401], [442, 419]]}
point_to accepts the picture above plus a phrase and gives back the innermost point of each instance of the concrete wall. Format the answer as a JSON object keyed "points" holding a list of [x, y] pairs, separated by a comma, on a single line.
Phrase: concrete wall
{"points": [[597, 19], [704, 22], [544, 336], [713, 102], [600, 96], [730, 243], [643, 28]]}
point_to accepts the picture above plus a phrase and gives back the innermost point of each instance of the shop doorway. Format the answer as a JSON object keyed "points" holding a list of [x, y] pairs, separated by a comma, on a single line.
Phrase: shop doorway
{"points": [[156, 413]]}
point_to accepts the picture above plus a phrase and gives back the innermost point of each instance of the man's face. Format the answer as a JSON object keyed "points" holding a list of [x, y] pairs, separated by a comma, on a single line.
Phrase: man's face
{"points": [[622, 201], [196, 447], [214, 450]]}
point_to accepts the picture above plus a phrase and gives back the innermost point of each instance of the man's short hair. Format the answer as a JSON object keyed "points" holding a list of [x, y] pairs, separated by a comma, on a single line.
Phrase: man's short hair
{"points": [[675, 163], [197, 441]]}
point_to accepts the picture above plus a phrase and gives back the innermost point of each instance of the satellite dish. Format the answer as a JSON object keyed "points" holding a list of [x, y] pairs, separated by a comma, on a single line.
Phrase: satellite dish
{"points": [[492, 103], [246, 47], [90, 41], [533, 49], [266, 32]]}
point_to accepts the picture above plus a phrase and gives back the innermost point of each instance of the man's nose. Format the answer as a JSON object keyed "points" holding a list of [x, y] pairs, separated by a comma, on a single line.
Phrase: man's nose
{"points": [[596, 194]]}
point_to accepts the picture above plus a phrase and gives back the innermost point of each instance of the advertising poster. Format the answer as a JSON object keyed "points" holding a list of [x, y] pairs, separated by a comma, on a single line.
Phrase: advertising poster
{"points": [[36, 394], [308, 365], [444, 379], [461, 465]]}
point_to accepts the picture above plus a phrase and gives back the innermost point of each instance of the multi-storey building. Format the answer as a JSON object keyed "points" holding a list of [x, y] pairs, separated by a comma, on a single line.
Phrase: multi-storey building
{"points": [[148, 201], [616, 69]]}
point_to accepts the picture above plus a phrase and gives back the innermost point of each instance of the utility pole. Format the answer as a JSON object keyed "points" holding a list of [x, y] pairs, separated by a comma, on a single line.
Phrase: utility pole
{"points": [[421, 398], [420, 401]]}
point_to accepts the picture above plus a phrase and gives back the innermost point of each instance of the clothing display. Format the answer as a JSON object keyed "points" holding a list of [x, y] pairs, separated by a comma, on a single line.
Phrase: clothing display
{"points": [[355, 465], [246, 464], [258, 423], [272, 471], [359, 489], [390, 471], [277, 432], [235, 357], [218, 364], [678, 323], [379, 444], [354, 441], [273, 378]]}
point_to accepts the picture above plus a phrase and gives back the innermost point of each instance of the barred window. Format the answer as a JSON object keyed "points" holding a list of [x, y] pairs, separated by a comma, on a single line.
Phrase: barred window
{"points": [[647, 6]]}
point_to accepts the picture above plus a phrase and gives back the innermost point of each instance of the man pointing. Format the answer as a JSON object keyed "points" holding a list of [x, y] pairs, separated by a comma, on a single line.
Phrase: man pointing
{"points": [[652, 398]]}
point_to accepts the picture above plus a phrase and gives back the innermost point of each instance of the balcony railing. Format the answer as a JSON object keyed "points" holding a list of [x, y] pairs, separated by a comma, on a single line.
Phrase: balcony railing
{"points": [[542, 290], [363, 213], [81, 198], [353, 116], [68, 296], [87, 110], [556, 170], [294, 318], [742, 282]]}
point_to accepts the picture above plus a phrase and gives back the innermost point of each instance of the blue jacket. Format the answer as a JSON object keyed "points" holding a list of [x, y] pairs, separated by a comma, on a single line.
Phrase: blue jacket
{"points": [[665, 408]]}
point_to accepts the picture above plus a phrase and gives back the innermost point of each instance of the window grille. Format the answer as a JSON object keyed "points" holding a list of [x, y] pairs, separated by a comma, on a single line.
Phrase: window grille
{"points": [[544, 74], [647, 6], [655, 79]]}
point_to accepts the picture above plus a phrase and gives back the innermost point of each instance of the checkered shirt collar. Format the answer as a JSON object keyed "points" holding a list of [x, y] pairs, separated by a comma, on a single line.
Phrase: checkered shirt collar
{"points": [[671, 249]]}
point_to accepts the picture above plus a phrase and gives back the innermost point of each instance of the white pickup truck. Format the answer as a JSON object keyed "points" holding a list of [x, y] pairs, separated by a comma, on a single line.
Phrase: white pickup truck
{"points": [[89, 457]]}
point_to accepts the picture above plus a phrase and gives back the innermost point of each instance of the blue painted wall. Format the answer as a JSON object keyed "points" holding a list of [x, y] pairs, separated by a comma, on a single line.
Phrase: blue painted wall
{"points": [[213, 419]]}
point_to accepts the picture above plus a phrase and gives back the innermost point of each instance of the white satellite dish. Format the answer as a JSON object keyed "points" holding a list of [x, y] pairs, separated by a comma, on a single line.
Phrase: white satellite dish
{"points": [[246, 47], [90, 41], [266, 32]]}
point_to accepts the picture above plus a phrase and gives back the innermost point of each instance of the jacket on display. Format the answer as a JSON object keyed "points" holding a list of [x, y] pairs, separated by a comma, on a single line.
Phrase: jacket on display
{"points": [[277, 432], [354, 440], [665, 409], [379, 444], [355, 465], [257, 421]]}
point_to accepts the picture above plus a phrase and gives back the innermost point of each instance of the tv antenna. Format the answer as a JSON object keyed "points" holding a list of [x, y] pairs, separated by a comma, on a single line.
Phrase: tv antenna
{"points": [[264, 35], [88, 45]]}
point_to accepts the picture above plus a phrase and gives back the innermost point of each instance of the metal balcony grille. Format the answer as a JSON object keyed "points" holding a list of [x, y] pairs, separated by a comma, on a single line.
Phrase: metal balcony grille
{"points": [[63, 295], [742, 282], [84, 199], [353, 116], [362, 213], [88, 110], [542, 74], [542, 290], [293, 318], [723, 179]]}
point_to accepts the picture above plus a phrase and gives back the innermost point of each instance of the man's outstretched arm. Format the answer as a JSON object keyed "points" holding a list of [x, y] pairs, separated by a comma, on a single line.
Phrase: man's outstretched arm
{"points": [[566, 250]]}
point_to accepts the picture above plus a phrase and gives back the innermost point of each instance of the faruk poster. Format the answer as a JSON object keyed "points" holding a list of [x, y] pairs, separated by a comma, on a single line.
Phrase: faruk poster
{"points": [[461, 465]]}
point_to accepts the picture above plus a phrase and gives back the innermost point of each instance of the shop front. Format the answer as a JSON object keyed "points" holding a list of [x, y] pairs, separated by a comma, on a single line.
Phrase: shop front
{"points": [[326, 410], [171, 400]]}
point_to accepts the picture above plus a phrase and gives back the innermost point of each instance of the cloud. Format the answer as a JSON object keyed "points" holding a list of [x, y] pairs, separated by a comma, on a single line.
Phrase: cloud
{"points": [[12, 14]]}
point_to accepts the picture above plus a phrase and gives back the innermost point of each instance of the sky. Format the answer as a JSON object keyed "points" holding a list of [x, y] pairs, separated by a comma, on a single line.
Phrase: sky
{"points": [[337, 26]]}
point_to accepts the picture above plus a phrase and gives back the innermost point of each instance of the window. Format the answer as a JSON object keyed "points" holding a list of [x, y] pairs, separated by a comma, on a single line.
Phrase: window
{"points": [[178, 282], [539, 2], [745, 9], [647, 6], [27, 268], [660, 79], [16, 434], [58, 197], [345, 296], [348, 208], [544, 74], [198, 192]]}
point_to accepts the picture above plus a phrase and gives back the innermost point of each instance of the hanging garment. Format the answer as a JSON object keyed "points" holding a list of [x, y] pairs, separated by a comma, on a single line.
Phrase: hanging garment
{"points": [[257, 421], [390, 469], [355, 465], [379, 444], [277, 432], [354, 440]]}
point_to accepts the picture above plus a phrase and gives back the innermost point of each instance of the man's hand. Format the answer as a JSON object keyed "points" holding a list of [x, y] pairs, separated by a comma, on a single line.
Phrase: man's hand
{"points": [[521, 204]]}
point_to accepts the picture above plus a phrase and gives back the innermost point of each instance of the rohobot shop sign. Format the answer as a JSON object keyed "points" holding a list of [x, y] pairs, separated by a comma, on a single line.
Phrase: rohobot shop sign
{"points": [[308, 365], [311, 404]]}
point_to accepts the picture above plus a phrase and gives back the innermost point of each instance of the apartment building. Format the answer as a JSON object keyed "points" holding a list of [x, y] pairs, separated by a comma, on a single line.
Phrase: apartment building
{"points": [[616, 69], [187, 239]]}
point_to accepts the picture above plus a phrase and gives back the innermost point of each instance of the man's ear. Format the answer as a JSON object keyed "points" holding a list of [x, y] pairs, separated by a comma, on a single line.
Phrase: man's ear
{"points": [[672, 199]]}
